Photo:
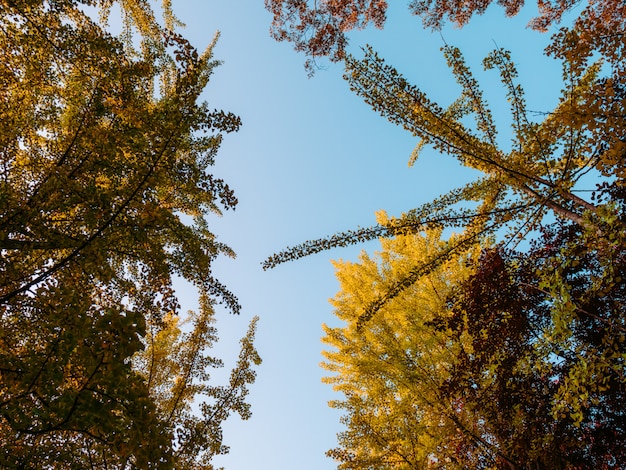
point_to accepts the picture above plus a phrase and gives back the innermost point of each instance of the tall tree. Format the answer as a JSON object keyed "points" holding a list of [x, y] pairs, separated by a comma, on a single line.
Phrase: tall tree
{"points": [[519, 185], [105, 155], [176, 368], [544, 365], [533, 373], [538, 364]]}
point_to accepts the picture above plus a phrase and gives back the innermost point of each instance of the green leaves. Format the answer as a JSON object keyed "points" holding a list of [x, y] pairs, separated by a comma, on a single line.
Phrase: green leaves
{"points": [[62, 362], [105, 156]]}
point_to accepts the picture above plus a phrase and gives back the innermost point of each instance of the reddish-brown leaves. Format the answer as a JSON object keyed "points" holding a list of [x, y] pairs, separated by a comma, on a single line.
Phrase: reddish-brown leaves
{"points": [[318, 28]]}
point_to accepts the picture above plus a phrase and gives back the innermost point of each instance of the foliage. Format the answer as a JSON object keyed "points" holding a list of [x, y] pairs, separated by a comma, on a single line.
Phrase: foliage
{"points": [[177, 372], [517, 360], [545, 365], [477, 364], [390, 369], [521, 184], [319, 28], [105, 152]]}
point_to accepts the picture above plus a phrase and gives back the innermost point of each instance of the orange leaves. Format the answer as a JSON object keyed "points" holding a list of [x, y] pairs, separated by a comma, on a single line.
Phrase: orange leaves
{"points": [[550, 13], [319, 28], [435, 12]]}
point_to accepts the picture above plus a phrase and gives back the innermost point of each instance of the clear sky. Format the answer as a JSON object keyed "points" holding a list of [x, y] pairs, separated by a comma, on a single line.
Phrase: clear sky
{"points": [[312, 159]]}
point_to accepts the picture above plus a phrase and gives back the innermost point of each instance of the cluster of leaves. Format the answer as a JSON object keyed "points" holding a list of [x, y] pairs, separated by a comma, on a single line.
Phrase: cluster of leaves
{"points": [[105, 155], [496, 359], [519, 186], [176, 369], [537, 175], [543, 365], [319, 28], [390, 369]]}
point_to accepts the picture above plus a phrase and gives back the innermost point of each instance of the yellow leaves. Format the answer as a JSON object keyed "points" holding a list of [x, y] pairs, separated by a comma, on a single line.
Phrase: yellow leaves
{"points": [[546, 159], [416, 151], [389, 370]]}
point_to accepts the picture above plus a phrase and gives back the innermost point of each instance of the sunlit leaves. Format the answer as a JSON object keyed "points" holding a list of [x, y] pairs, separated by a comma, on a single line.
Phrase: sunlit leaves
{"points": [[518, 187], [531, 372], [390, 368], [82, 102], [507, 360]]}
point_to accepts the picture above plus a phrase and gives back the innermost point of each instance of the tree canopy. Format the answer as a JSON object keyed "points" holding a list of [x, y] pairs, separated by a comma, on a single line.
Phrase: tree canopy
{"points": [[320, 29], [495, 359], [106, 189], [536, 175], [480, 351], [390, 370]]}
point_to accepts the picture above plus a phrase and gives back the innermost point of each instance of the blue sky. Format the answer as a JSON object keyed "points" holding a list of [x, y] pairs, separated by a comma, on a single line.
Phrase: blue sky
{"points": [[312, 159]]}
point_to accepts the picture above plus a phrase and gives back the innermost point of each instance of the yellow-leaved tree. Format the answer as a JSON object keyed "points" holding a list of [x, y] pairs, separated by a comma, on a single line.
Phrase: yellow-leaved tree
{"points": [[493, 359], [105, 190], [538, 336], [391, 369]]}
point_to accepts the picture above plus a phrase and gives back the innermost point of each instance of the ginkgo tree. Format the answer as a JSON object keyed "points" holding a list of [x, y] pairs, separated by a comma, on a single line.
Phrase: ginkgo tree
{"points": [[106, 190], [519, 185], [391, 369], [176, 368]]}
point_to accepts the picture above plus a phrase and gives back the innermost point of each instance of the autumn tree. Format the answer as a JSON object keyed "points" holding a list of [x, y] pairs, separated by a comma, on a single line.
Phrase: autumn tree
{"points": [[390, 370], [535, 338], [543, 362], [105, 156], [533, 373], [519, 185], [177, 370]]}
